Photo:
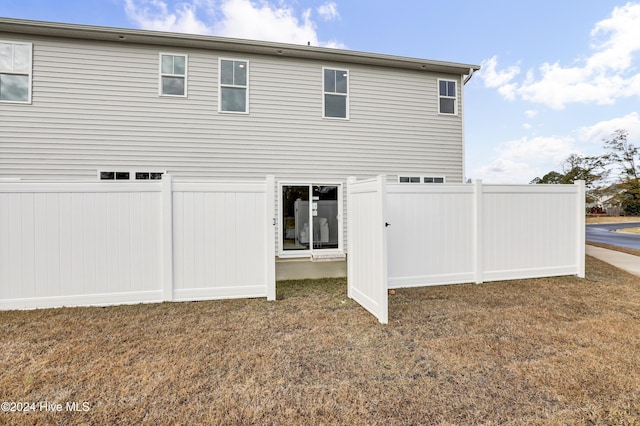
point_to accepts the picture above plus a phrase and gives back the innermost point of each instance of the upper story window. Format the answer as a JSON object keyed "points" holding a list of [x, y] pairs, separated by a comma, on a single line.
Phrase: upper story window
{"points": [[336, 93], [447, 97], [15, 72], [234, 86], [173, 75]]}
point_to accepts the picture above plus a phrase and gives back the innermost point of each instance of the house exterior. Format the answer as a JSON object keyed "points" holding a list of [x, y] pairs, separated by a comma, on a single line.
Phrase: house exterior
{"points": [[119, 105]]}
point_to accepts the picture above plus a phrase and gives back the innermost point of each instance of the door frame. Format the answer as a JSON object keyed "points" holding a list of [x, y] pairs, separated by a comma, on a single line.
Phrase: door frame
{"points": [[280, 219]]}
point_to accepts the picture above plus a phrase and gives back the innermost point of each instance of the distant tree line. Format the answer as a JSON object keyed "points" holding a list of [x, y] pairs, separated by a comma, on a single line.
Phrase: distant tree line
{"points": [[621, 159]]}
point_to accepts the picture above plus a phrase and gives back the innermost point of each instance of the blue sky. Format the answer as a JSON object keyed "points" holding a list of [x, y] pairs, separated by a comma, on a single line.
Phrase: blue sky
{"points": [[558, 76]]}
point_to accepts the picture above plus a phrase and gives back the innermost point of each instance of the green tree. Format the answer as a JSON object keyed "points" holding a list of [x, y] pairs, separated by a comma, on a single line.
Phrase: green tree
{"points": [[625, 157], [592, 170], [552, 177]]}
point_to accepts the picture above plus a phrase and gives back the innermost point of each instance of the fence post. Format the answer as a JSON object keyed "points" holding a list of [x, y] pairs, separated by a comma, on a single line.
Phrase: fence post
{"points": [[270, 223], [478, 231], [167, 237], [580, 250], [350, 181]]}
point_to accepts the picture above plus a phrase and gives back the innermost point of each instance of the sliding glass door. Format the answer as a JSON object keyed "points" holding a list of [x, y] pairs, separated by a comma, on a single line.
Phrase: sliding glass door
{"points": [[310, 218]]}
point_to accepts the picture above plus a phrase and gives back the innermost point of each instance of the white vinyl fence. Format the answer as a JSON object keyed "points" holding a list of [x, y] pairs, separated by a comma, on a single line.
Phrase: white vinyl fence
{"points": [[367, 265], [74, 244], [463, 233]]}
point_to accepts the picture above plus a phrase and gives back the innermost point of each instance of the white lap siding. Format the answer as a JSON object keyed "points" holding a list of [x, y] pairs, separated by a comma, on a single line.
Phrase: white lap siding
{"points": [[96, 106]]}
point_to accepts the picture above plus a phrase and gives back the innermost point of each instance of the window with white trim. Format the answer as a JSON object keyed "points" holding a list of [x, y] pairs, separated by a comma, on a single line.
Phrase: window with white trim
{"points": [[234, 86], [436, 179], [173, 75], [447, 97], [311, 219], [15, 72], [126, 175], [336, 93], [148, 175], [409, 179], [421, 179]]}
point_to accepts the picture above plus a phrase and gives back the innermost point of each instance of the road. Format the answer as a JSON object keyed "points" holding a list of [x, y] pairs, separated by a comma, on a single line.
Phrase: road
{"points": [[603, 233]]}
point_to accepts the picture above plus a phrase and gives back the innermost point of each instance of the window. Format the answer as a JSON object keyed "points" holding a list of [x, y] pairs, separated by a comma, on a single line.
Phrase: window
{"points": [[336, 93], [128, 176], [409, 179], [421, 179], [433, 180], [447, 97], [15, 72], [148, 175], [114, 175], [173, 75], [234, 85]]}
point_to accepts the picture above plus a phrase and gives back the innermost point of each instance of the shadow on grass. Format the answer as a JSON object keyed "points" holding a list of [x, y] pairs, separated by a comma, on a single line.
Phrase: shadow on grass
{"points": [[304, 288]]}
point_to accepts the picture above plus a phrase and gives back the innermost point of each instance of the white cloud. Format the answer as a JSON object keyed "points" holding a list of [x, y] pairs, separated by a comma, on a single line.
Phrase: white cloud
{"points": [[550, 148], [559, 86], [608, 74], [604, 129], [494, 78], [521, 160], [504, 171], [263, 21], [155, 15], [246, 19], [329, 11], [499, 79], [622, 39], [531, 113]]}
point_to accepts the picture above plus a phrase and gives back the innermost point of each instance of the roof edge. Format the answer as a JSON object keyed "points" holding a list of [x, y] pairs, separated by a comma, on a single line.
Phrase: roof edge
{"points": [[136, 36]]}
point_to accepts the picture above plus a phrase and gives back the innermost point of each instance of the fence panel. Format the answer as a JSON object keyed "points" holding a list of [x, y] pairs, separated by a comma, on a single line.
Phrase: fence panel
{"points": [[456, 233], [219, 236], [430, 234], [531, 231], [78, 244], [74, 244]]}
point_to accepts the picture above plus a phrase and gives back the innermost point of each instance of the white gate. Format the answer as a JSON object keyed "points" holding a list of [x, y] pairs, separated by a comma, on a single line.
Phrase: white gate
{"points": [[367, 241]]}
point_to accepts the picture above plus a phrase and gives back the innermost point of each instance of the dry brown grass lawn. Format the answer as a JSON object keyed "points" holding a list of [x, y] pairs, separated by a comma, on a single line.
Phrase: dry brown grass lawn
{"points": [[545, 351], [630, 230], [612, 219]]}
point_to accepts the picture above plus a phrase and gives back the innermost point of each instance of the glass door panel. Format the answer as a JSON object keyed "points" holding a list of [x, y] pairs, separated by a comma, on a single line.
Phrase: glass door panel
{"points": [[310, 217], [296, 231], [324, 210]]}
